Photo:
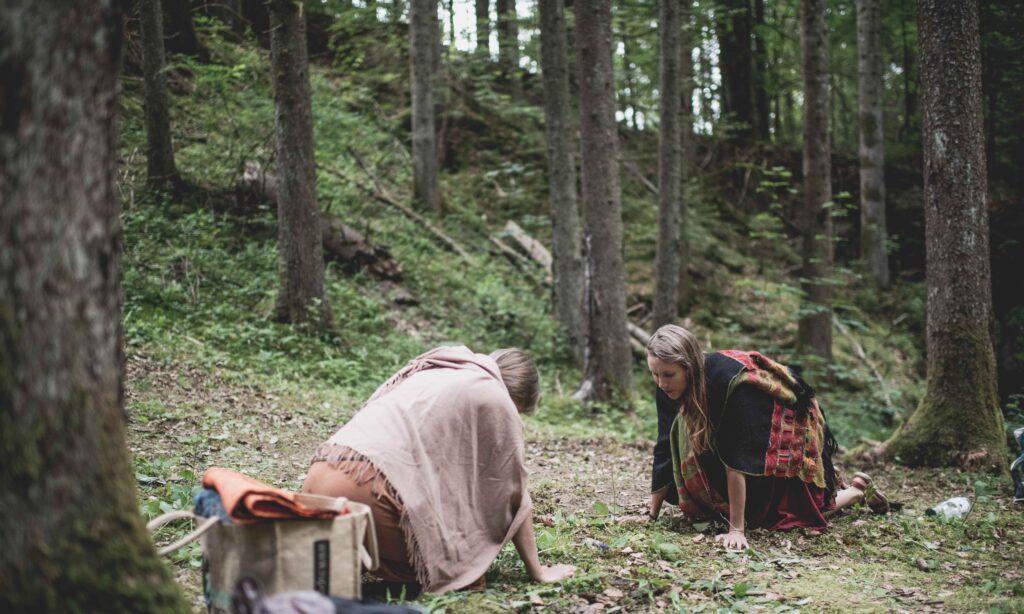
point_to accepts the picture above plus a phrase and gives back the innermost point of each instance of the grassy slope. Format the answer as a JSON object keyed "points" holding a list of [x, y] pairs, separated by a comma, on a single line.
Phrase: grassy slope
{"points": [[211, 380]]}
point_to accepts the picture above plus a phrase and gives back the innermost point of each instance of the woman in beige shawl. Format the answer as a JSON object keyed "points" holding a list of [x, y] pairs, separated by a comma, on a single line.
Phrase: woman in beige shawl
{"points": [[438, 454]]}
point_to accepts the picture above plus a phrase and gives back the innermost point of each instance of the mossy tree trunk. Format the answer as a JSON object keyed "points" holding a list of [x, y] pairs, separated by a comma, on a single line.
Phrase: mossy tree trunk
{"points": [[872, 148], [161, 172], [666, 286], [815, 325], [608, 370], [72, 537], [423, 41], [301, 296], [958, 421], [567, 265]]}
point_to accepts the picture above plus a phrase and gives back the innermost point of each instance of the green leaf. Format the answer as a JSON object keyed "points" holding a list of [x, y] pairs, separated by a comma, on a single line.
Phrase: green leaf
{"points": [[740, 590]]}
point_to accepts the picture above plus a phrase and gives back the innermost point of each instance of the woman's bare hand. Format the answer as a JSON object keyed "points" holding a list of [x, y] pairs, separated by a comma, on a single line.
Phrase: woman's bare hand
{"points": [[554, 573], [733, 540]]}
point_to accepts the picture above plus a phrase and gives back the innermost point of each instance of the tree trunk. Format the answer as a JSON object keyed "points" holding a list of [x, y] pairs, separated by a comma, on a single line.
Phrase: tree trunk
{"points": [[161, 172], [872, 147], [300, 249], [179, 33], [567, 267], [483, 28], [666, 287], [608, 368], [627, 97], [761, 99], [508, 47], [733, 22], [72, 536], [423, 37], [687, 143], [958, 421], [815, 327], [909, 98]]}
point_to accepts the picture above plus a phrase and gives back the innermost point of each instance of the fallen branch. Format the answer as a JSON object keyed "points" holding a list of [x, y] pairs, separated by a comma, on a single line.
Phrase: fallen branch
{"points": [[858, 350], [533, 248], [653, 189], [638, 333], [377, 191]]}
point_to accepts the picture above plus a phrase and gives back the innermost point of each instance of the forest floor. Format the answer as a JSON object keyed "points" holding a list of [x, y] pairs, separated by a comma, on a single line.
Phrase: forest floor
{"points": [[586, 471]]}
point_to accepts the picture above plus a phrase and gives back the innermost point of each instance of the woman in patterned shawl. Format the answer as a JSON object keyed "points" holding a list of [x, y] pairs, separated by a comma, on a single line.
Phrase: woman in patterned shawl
{"points": [[742, 438]]}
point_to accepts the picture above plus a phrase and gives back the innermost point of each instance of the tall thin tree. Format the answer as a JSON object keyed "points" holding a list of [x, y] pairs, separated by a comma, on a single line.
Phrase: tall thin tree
{"points": [[608, 370], [873, 234], [761, 76], [958, 422], [815, 326], [666, 287], [687, 142], [733, 23], [567, 264], [161, 171], [73, 539], [423, 41], [301, 296], [483, 28], [508, 46]]}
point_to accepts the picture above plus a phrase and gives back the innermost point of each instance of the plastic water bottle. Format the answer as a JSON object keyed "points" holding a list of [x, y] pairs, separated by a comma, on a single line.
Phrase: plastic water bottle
{"points": [[1017, 468], [957, 507]]}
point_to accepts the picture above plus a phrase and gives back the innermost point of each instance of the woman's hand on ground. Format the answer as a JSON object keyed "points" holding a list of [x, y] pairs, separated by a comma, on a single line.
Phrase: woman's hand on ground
{"points": [[635, 519], [733, 540], [554, 573]]}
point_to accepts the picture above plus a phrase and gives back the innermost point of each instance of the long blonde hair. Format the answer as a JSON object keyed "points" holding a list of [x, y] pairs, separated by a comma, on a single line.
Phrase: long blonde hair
{"points": [[520, 376], [677, 345]]}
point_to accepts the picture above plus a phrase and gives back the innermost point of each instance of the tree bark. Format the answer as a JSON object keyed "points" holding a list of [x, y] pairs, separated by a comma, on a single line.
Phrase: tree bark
{"points": [[72, 536], [666, 286], [873, 234], [687, 143], [483, 28], [508, 47], [958, 422], [161, 172], [733, 23], [761, 98], [567, 268], [301, 298], [179, 32], [815, 326], [423, 42], [608, 363]]}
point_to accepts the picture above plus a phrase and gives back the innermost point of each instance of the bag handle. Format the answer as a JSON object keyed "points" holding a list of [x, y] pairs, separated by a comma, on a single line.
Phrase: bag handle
{"points": [[371, 559], [161, 520]]}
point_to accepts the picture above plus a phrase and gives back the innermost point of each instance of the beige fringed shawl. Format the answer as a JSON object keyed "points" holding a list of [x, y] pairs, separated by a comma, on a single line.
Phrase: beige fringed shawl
{"points": [[448, 438]]}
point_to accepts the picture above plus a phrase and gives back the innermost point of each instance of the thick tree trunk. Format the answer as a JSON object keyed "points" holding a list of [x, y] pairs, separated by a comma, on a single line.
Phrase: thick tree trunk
{"points": [[761, 98], [608, 372], [72, 536], [815, 327], [666, 286], [733, 23], [959, 421], [161, 172], [423, 41], [179, 33], [567, 267], [508, 47], [872, 147], [300, 249], [483, 28]]}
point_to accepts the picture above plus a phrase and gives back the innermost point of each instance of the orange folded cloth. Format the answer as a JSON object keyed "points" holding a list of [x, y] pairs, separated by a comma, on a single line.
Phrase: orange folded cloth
{"points": [[249, 501]]}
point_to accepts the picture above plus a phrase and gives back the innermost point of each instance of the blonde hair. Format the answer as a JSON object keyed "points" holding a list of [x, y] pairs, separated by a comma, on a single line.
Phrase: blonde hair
{"points": [[520, 376], [677, 345]]}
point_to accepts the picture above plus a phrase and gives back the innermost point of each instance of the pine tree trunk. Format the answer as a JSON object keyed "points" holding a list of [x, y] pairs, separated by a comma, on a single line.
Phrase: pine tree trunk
{"points": [[815, 326], [179, 32], [608, 370], [761, 99], [666, 287], [733, 22], [161, 172], [872, 147], [483, 28], [687, 143], [300, 249], [959, 421], [567, 265], [423, 39], [72, 536], [508, 47]]}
